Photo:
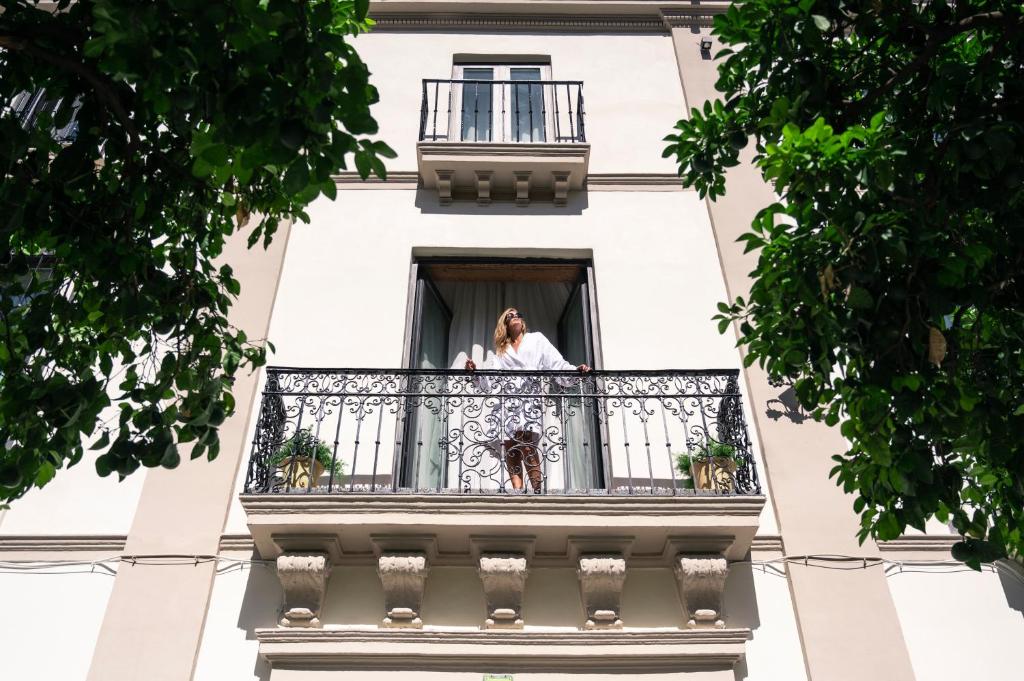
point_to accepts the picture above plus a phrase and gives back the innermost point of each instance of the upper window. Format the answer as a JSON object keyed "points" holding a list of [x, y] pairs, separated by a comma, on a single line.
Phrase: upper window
{"points": [[503, 102]]}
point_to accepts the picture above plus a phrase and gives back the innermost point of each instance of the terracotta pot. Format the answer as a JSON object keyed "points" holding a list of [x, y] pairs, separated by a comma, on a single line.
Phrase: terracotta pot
{"points": [[300, 473], [721, 479]]}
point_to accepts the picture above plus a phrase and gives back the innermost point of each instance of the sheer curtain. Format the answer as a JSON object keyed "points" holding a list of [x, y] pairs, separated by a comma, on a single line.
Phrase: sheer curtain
{"points": [[475, 308]]}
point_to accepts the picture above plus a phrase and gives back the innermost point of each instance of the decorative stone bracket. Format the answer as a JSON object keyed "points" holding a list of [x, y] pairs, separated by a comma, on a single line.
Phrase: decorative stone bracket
{"points": [[701, 581], [504, 580], [601, 579], [403, 577], [304, 580]]}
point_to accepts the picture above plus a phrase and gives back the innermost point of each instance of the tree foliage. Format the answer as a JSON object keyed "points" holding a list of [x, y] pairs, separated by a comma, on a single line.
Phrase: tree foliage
{"points": [[197, 119], [888, 288]]}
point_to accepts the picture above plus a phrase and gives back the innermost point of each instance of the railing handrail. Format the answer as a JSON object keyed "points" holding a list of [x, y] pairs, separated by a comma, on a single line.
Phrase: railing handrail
{"points": [[503, 82], [503, 372]]}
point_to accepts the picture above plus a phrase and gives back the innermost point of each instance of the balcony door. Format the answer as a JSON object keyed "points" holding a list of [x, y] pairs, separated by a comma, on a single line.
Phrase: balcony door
{"points": [[502, 103], [453, 316]]}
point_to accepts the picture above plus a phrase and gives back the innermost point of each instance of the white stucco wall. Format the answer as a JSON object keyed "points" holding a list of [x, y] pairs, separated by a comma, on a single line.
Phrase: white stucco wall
{"points": [[242, 600], [76, 501], [630, 83], [759, 598], [961, 625], [51, 622], [342, 299]]}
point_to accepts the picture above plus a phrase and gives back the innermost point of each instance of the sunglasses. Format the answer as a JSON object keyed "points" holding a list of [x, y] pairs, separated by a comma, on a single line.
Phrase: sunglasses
{"points": [[514, 315]]}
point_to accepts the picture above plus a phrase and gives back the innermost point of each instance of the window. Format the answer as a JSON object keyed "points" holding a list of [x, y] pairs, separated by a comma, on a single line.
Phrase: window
{"points": [[502, 102]]}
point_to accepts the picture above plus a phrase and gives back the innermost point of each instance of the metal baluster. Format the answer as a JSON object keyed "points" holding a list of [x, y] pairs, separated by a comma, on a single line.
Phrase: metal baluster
{"points": [[529, 100], [501, 437], [558, 123], [579, 112], [668, 447], [402, 410], [543, 116], [462, 438], [647, 441], [566, 470], [437, 87], [707, 442], [517, 134], [419, 452], [442, 443], [587, 423], [334, 454], [376, 448], [502, 86], [293, 463], [476, 112], [360, 413], [424, 106], [625, 436], [568, 100]]}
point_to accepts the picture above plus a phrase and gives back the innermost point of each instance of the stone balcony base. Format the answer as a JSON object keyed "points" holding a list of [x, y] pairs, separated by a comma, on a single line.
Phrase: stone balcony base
{"points": [[553, 531]]}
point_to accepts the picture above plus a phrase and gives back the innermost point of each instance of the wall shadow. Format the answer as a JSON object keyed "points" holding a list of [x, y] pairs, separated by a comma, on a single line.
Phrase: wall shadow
{"points": [[741, 605], [427, 202], [261, 605], [1011, 577]]}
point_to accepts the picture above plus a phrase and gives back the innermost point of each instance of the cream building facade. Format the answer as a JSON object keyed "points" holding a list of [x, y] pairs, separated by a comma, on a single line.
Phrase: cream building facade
{"points": [[529, 173]]}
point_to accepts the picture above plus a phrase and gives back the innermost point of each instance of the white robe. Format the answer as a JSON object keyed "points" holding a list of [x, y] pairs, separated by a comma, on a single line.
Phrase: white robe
{"points": [[511, 414]]}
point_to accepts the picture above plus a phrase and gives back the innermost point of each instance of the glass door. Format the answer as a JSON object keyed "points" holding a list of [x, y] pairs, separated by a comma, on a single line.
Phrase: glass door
{"points": [[425, 452], [528, 110], [581, 469], [502, 103], [476, 104]]}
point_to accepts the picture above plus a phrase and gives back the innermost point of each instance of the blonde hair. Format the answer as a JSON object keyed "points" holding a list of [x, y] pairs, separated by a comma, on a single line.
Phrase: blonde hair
{"points": [[501, 337]]}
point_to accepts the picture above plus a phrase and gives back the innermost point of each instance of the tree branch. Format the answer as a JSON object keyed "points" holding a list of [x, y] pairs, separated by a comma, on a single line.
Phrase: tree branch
{"points": [[103, 87]]}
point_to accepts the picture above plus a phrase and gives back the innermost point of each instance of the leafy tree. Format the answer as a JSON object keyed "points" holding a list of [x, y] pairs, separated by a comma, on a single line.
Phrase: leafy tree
{"points": [[889, 285], [195, 120]]}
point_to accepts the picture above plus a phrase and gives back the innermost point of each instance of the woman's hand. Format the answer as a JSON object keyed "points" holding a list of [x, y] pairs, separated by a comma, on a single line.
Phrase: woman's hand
{"points": [[470, 365], [583, 368]]}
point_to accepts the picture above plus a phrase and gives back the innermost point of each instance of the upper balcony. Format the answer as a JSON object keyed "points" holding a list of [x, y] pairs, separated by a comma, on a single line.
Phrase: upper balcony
{"points": [[354, 460], [485, 140]]}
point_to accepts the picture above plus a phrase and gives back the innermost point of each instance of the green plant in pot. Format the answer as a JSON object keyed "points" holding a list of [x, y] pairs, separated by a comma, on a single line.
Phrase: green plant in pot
{"points": [[311, 457], [712, 466]]}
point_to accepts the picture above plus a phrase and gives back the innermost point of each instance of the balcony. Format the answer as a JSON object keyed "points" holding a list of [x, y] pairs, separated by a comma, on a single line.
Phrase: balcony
{"points": [[432, 459], [494, 140]]}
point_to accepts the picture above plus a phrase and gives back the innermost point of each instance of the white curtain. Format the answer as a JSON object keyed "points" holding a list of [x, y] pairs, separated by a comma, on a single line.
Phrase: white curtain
{"points": [[475, 308]]}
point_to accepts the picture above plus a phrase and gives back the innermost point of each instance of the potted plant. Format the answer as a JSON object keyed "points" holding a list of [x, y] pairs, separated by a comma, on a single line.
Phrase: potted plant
{"points": [[712, 466], [303, 458]]}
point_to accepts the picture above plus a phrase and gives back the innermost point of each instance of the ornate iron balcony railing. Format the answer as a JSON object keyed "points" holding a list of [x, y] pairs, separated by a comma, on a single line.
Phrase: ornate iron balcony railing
{"points": [[605, 432], [502, 111]]}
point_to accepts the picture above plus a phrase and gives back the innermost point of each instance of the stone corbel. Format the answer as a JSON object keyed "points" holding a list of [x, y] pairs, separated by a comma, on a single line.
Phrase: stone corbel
{"points": [[504, 581], [444, 186], [483, 187], [601, 579], [522, 181], [701, 582], [304, 580], [560, 183], [403, 577]]}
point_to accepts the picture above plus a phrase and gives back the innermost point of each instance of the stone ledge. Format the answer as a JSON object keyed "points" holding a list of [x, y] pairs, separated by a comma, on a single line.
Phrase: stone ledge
{"points": [[657, 528], [509, 650]]}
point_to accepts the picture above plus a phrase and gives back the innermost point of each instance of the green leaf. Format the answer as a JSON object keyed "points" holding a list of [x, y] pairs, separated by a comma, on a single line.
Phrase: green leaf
{"points": [[821, 22]]}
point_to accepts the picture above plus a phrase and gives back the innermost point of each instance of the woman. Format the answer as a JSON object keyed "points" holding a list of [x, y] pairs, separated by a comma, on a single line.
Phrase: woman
{"points": [[519, 419]]}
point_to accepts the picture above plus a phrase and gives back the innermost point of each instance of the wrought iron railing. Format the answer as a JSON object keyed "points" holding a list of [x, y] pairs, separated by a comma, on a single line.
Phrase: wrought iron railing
{"points": [[502, 111], [605, 432]]}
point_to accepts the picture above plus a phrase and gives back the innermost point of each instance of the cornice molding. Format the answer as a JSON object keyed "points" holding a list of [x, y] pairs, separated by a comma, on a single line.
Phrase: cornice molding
{"points": [[397, 179], [513, 23], [512, 650], [767, 542], [112, 543], [921, 542], [406, 179], [237, 542]]}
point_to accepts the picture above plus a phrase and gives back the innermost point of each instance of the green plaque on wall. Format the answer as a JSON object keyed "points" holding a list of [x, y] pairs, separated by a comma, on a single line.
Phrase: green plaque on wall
{"points": [[497, 677]]}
